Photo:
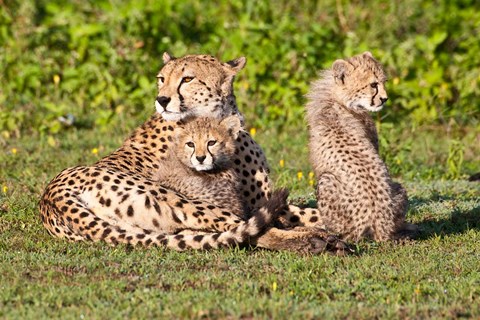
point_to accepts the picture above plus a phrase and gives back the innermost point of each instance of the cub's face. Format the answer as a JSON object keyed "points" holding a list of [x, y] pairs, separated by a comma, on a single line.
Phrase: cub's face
{"points": [[196, 85], [360, 82], [205, 144]]}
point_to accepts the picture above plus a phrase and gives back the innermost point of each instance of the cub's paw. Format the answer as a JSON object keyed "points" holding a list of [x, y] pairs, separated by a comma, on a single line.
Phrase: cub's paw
{"points": [[329, 244]]}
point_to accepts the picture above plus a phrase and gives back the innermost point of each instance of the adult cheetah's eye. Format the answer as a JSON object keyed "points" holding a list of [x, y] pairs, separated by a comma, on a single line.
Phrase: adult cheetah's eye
{"points": [[374, 85], [161, 79], [211, 143], [190, 144], [187, 79]]}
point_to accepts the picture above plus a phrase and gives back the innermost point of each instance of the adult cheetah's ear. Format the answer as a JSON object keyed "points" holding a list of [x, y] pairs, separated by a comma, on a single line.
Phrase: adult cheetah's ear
{"points": [[167, 57], [237, 64], [340, 69], [232, 124]]}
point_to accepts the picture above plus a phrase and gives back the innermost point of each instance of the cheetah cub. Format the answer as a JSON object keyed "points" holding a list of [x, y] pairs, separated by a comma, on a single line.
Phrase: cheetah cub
{"points": [[355, 194], [200, 165]]}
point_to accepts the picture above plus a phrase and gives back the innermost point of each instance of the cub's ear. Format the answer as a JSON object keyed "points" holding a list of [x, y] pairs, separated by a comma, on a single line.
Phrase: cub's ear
{"points": [[237, 64], [167, 57], [340, 69], [232, 124], [178, 133], [368, 54]]}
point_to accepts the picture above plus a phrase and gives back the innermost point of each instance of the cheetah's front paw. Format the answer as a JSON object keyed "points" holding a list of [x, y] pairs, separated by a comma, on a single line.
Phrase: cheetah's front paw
{"points": [[329, 244]]}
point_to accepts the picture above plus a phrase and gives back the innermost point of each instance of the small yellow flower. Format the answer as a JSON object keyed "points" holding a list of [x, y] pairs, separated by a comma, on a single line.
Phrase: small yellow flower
{"points": [[51, 141], [291, 293], [282, 163], [95, 151], [253, 132], [120, 109], [56, 79], [299, 175], [274, 286], [417, 290], [5, 189], [396, 80], [14, 150], [399, 161], [311, 175], [311, 182]]}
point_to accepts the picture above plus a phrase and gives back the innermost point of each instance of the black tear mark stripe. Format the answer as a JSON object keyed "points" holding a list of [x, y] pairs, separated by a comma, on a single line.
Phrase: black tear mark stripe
{"points": [[180, 97], [373, 98]]}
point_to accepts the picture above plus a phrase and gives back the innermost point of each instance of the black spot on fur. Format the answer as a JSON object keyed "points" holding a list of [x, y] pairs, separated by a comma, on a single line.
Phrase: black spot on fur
{"points": [[294, 219], [198, 238], [182, 245], [130, 211]]}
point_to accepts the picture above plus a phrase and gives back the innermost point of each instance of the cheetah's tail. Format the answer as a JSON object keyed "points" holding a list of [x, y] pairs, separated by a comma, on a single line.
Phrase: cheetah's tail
{"points": [[239, 234], [262, 218], [104, 230]]}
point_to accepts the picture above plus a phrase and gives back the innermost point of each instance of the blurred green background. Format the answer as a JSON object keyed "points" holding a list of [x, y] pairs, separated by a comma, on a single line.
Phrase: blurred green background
{"points": [[97, 61]]}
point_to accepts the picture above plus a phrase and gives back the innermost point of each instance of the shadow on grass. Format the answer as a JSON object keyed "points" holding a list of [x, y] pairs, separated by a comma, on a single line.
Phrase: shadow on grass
{"points": [[458, 222], [432, 225]]}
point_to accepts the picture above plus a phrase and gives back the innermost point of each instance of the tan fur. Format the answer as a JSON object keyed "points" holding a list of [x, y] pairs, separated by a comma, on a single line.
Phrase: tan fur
{"points": [[119, 199], [197, 86], [356, 196], [214, 179]]}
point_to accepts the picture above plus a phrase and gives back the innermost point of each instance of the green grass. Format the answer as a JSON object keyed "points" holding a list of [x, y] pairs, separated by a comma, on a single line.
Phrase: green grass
{"points": [[437, 276]]}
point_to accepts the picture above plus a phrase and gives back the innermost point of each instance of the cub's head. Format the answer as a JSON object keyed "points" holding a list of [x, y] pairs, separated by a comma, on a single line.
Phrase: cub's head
{"points": [[196, 85], [360, 82], [205, 144]]}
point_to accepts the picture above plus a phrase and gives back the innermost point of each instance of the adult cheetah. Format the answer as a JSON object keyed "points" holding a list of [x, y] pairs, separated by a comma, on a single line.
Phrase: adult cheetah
{"points": [[118, 199], [356, 196]]}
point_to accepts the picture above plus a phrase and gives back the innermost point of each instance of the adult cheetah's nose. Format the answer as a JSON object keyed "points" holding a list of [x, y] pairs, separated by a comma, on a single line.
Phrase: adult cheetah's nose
{"points": [[383, 100], [201, 158], [163, 101]]}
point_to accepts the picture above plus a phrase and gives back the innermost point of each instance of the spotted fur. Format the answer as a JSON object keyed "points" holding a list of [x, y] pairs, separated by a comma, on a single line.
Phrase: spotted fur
{"points": [[200, 165], [356, 196], [120, 199]]}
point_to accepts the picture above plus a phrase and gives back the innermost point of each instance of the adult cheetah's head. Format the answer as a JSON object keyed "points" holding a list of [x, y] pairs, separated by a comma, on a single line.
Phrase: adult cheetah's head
{"points": [[196, 85], [360, 82]]}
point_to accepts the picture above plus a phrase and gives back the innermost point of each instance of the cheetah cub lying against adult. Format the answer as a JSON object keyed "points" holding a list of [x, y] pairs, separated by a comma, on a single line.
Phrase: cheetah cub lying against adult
{"points": [[200, 165], [355, 194]]}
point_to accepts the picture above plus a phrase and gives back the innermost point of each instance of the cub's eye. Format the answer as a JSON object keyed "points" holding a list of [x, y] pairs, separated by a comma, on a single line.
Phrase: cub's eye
{"points": [[190, 144], [187, 79], [211, 143], [374, 85], [161, 79]]}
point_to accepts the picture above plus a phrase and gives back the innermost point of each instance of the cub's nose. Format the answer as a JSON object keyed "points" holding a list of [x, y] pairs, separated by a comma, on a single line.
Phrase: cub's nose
{"points": [[163, 101], [201, 158], [383, 100]]}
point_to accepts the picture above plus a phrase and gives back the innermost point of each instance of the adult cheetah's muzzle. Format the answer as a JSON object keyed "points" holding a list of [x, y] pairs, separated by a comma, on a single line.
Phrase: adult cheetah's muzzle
{"points": [[163, 101]]}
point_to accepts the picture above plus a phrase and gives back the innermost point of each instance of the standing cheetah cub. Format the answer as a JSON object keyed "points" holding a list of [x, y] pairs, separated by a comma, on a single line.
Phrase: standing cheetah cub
{"points": [[200, 165], [355, 194]]}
